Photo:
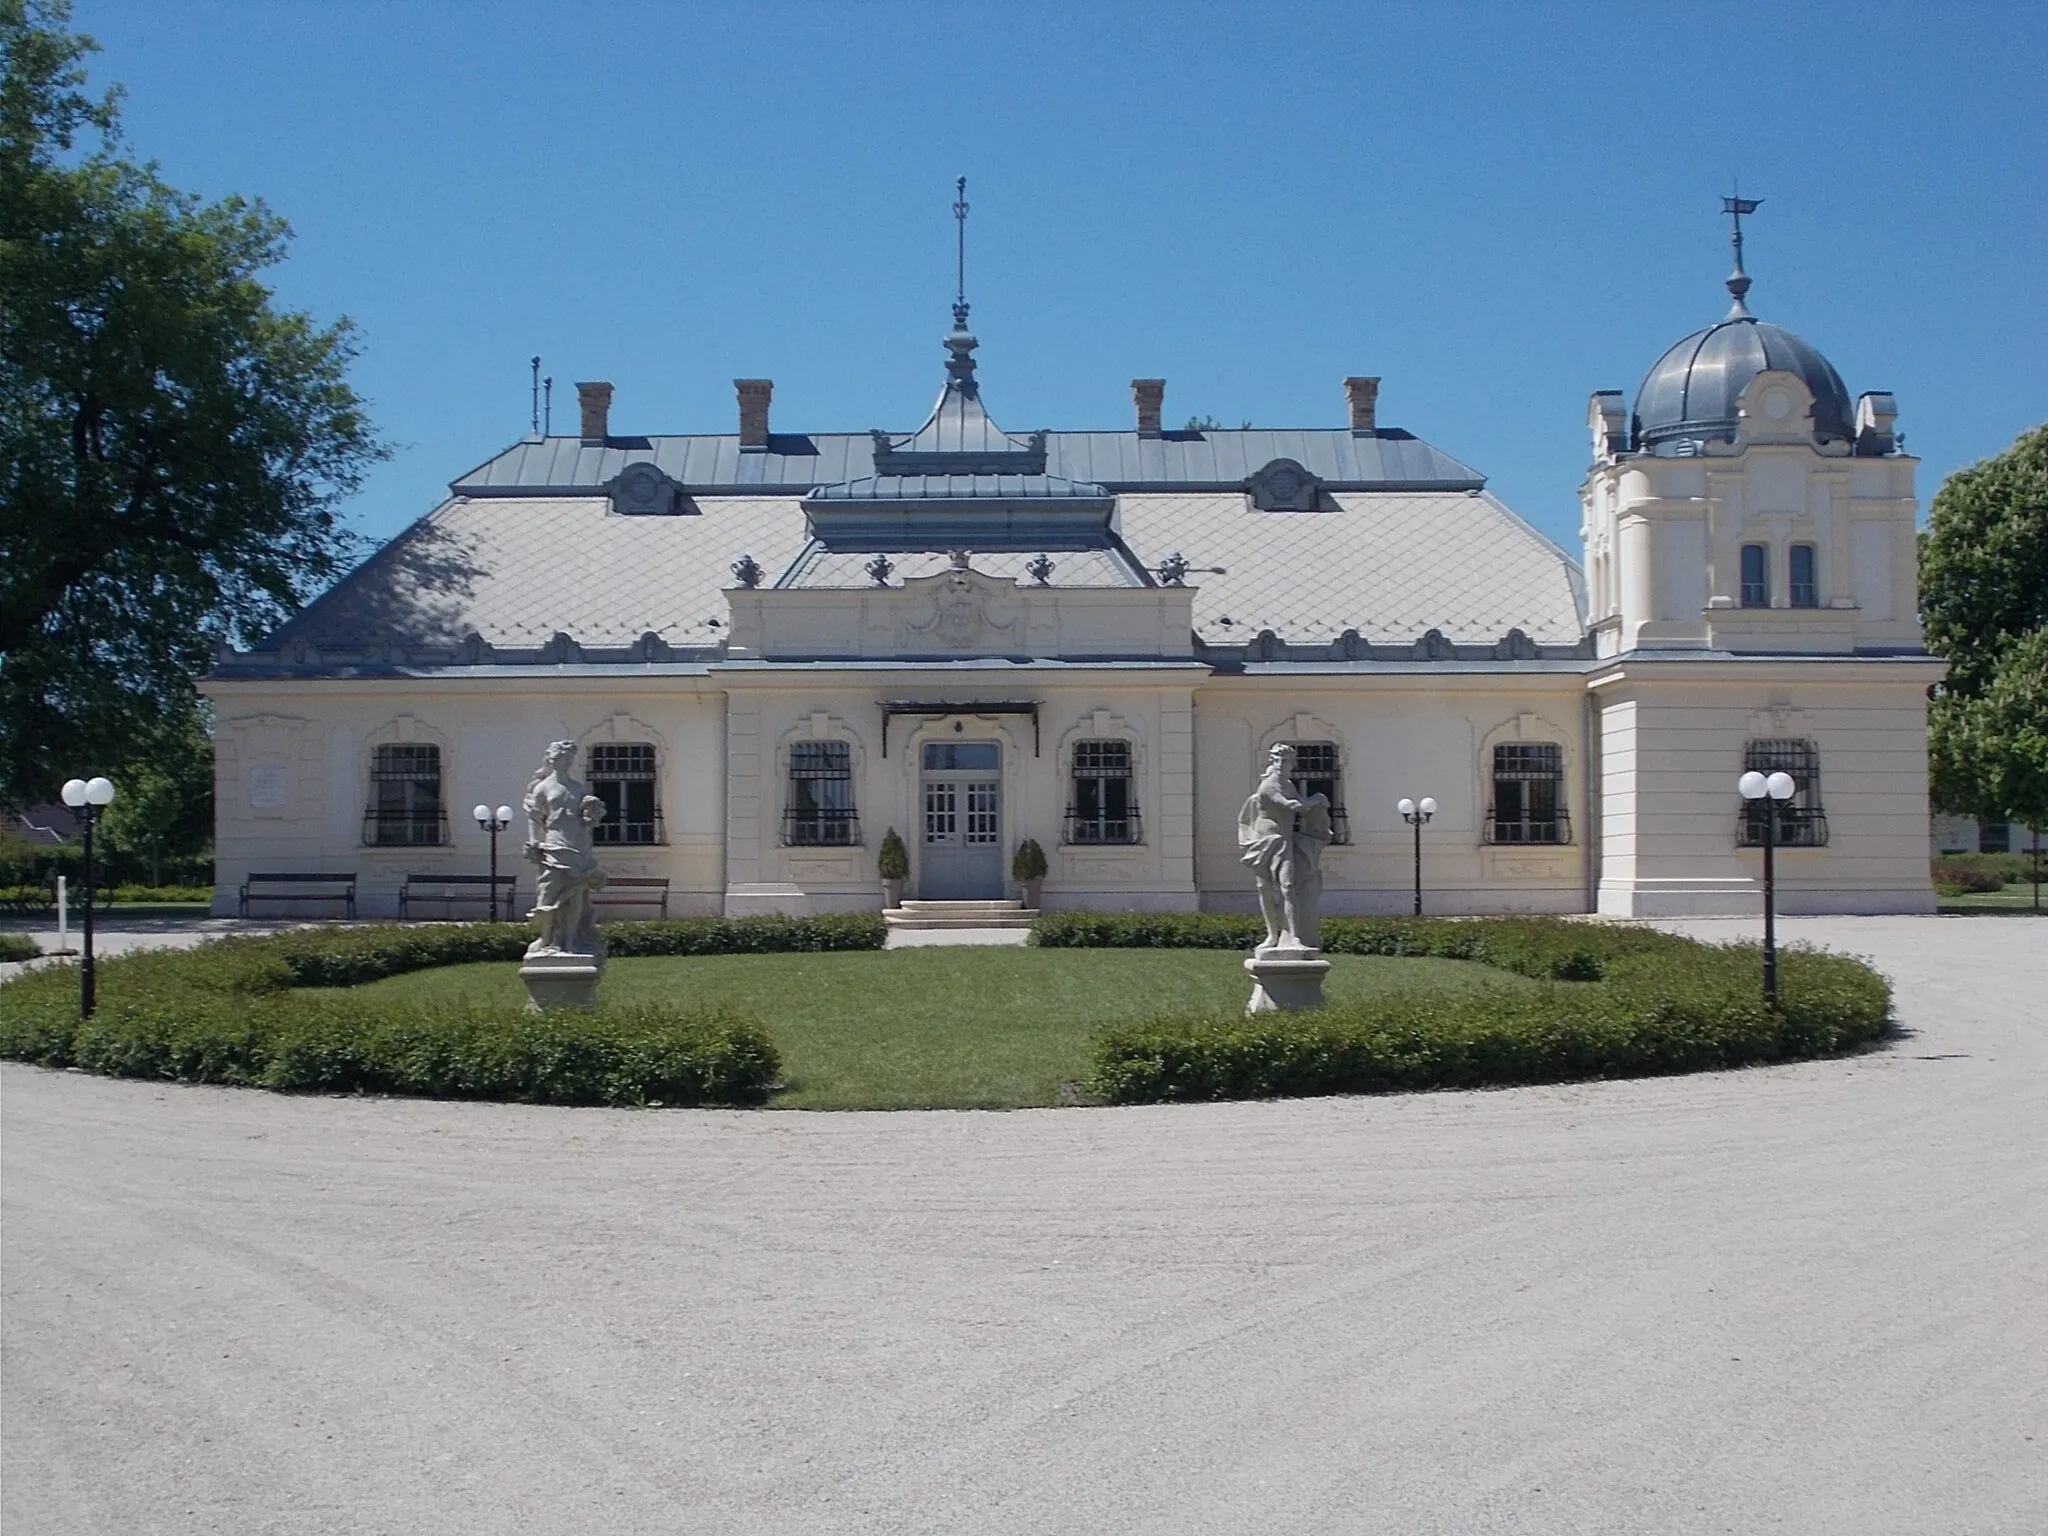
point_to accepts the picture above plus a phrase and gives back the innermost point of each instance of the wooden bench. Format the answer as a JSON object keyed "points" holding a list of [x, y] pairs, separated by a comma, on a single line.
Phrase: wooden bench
{"points": [[341, 888], [449, 889], [634, 891]]}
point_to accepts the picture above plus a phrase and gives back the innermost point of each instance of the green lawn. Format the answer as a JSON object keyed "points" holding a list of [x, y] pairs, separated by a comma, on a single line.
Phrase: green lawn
{"points": [[2013, 899], [948, 1027]]}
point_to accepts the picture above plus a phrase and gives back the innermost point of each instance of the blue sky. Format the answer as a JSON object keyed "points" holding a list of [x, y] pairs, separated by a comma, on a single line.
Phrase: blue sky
{"points": [[1498, 209]]}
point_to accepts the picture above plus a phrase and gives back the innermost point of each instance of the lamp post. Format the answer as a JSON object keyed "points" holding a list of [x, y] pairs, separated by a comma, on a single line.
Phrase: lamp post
{"points": [[88, 797], [1415, 815], [1774, 791], [494, 824]]}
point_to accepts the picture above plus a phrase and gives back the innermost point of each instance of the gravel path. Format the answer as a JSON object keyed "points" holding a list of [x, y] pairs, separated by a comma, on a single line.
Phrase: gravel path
{"points": [[1805, 1298]]}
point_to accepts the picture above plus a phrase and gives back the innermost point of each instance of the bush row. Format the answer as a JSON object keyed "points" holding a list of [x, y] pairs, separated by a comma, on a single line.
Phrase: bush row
{"points": [[1618, 1002], [18, 946], [227, 1013]]}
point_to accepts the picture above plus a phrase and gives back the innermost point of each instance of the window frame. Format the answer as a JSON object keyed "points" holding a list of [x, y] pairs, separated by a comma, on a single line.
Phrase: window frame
{"points": [[611, 832], [1305, 782], [397, 813], [1802, 820], [1526, 823], [1803, 594], [808, 819], [1101, 826], [1754, 592]]}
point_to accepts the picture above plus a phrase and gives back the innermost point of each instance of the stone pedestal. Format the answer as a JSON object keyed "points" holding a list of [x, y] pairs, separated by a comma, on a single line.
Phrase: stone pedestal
{"points": [[560, 981], [1286, 980]]}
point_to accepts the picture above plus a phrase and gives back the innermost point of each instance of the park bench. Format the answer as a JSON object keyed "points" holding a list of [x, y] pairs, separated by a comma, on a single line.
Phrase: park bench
{"points": [[477, 890], [634, 891], [341, 888]]}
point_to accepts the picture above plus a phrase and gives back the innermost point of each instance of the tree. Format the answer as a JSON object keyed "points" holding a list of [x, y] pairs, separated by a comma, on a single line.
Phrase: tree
{"points": [[1984, 600], [164, 809], [172, 446]]}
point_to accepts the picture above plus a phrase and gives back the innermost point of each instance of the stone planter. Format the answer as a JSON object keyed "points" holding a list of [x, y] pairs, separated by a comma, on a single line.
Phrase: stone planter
{"points": [[892, 893], [1030, 888]]}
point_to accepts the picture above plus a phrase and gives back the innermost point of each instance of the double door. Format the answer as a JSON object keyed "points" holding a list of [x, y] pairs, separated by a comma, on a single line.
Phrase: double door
{"points": [[961, 791]]}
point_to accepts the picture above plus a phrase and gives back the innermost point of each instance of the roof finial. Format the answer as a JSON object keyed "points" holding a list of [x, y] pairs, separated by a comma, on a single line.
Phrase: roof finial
{"points": [[960, 261], [1738, 280], [960, 345]]}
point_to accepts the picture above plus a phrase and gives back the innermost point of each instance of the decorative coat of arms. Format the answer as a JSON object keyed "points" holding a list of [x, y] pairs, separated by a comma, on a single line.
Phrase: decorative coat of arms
{"points": [[959, 615]]}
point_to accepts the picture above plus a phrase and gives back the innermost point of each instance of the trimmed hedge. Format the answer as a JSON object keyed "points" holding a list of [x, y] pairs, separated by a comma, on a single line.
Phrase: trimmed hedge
{"points": [[227, 1013], [1624, 1002], [18, 946]]}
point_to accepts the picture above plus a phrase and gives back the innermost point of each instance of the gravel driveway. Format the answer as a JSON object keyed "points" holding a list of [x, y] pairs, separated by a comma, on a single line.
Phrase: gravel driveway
{"points": [[1810, 1298]]}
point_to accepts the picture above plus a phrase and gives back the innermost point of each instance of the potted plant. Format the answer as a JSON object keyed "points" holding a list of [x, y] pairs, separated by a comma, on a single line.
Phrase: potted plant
{"points": [[1028, 870], [893, 863]]}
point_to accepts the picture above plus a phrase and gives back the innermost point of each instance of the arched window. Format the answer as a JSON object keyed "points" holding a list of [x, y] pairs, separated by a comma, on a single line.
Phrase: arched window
{"points": [[819, 811], [622, 776], [1528, 794], [1756, 576], [1805, 580], [405, 809], [1103, 807], [1802, 823], [1318, 770]]}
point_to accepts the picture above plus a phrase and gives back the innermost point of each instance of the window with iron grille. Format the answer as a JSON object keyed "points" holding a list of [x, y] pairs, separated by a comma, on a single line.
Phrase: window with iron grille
{"points": [[1805, 576], [1103, 808], [1317, 771], [1528, 794], [1756, 576], [405, 807], [819, 812], [622, 776], [1802, 823]]}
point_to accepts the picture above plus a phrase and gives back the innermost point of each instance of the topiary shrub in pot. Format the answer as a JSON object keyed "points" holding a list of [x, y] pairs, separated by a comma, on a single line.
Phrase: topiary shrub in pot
{"points": [[893, 864], [1028, 870]]}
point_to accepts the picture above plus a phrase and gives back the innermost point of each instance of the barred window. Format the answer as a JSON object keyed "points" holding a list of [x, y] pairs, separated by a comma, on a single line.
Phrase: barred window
{"points": [[1103, 808], [622, 776], [1317, 772], [819, 812], [1756, 576], [1802, 823], [1528, 794], [1994, 837], [1805, 578], [405, 807]]}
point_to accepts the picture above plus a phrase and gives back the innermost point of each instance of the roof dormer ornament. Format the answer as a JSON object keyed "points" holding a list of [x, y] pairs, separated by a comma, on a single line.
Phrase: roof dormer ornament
{"points": [[1738, 280], [960, 344]]}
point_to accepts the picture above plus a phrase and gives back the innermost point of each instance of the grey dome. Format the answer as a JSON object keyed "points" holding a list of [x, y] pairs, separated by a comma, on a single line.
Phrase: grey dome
{"points": [[1692, 391]]}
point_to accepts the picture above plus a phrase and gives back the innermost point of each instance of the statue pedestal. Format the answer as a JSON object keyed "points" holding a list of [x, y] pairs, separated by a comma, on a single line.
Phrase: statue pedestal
{"points": [[560, 981], [1286, 980]]}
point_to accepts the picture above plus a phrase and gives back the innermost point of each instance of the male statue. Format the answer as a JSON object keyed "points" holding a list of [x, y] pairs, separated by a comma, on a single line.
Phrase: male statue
{"points": [[1282, 838]]}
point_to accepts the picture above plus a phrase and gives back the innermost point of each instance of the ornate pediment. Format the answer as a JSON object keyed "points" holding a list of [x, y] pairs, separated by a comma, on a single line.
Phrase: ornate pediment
{"points": [[962, 610]]}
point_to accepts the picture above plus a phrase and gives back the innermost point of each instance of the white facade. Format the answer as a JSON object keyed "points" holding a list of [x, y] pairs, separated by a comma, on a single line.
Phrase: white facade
{"points": [[1195, 598]]}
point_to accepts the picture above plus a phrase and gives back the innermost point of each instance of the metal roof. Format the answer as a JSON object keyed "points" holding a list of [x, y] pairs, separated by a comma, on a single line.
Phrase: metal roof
{"points": [[1388, 459]]}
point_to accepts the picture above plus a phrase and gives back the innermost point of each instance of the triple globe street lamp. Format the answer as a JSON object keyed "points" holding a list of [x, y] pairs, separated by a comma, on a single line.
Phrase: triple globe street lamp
{"points": [[88, 797], [1415, 814], [1773, 790]]}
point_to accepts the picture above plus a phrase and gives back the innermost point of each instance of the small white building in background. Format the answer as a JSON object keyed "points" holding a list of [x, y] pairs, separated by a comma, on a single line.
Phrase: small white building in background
{"points": [[774, 646]]}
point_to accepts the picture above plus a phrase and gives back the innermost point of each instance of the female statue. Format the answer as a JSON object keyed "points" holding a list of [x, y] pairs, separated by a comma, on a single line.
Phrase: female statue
{"points": [[559, 816], [1282, 838]]}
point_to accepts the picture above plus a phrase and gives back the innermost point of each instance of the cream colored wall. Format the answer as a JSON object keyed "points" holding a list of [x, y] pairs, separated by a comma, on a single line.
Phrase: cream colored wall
{"points": [[771, 710], [313, 740], [1409, 734], [1673, 738]]}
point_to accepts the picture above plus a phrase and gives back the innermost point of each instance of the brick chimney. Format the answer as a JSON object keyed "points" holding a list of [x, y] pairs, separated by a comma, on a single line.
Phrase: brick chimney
{"points": [[1150, 397], [1363, 395], [754, 397], [596, 400]]}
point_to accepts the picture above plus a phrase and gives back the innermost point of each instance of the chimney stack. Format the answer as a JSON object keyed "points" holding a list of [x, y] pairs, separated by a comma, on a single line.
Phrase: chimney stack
{"points": [[1364, 398], [1150, 398], [754, 397], [596, 400]]}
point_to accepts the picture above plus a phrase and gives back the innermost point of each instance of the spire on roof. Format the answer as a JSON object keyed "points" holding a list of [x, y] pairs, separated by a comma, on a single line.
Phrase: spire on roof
{"points": [[1738, 280], [960, 344]]}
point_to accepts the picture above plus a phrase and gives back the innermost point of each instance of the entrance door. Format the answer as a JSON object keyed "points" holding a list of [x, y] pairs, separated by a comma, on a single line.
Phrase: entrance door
{"points": [[963, 822]]}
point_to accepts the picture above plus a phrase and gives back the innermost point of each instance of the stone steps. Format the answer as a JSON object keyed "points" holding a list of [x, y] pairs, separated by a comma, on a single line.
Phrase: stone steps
{"points": [[960, 914]]}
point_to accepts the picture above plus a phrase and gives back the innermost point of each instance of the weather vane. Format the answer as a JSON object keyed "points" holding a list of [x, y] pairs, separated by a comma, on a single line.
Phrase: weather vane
{"points": [[960, 255], [1738, 280]]}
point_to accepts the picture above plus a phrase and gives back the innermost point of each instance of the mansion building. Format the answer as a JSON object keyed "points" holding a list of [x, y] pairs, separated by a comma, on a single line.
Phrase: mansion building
{"points": [[775, 646]]}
